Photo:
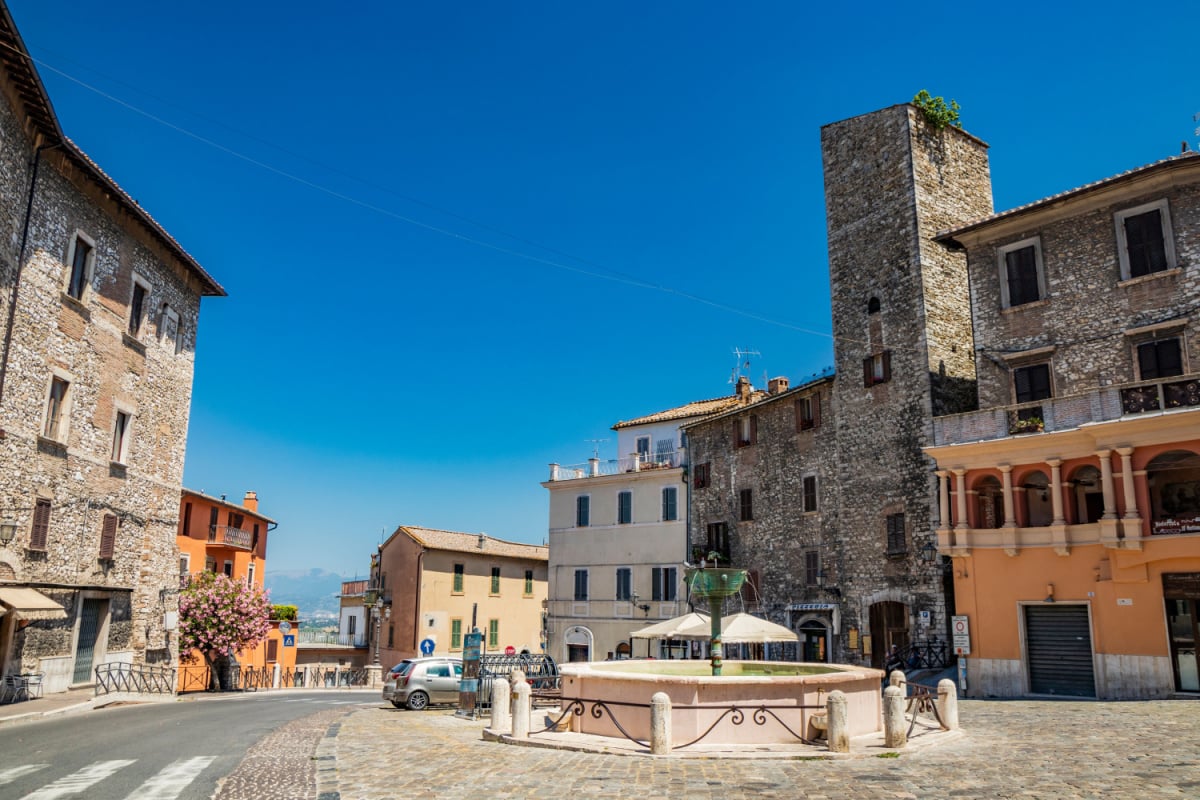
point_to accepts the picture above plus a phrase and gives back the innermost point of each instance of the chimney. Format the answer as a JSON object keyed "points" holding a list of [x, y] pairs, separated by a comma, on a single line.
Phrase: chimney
{"points": [[250, 502], [777, 385], [482, 540], [744, 389]]}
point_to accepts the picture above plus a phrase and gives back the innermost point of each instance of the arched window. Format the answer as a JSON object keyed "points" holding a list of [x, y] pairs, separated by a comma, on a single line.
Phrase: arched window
{"points": [[1038, 508], [873, 305], [1088, 495], [990, 497], [1174, 482]]}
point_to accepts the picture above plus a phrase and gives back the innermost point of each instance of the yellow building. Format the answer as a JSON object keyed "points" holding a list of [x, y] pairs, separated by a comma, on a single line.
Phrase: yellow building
{"points": [[431, 585]]}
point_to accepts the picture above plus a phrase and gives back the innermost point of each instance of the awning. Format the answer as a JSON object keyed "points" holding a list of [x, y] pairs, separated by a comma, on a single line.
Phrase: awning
{"points": [[743, 627], [29, 603], [669, 628]]}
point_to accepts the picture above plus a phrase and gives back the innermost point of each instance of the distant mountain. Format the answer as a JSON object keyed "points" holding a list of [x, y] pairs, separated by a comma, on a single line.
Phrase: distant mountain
{"points": [[315, 591]]}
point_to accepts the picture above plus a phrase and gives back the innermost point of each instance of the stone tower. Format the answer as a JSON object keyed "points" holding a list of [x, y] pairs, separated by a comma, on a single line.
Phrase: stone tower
{"points": [[903, 352]]}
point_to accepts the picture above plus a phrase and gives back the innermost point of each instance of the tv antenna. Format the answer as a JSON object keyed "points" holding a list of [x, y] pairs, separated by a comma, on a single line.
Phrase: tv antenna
{"points": [[596, 446], [741, 363]]}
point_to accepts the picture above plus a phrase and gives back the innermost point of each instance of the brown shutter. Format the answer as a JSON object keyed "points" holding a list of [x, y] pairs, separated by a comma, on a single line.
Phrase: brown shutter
{"points": [[887, 366], [816, 409], [108, 537], [737, 433], [799, 416], [868, 373], [753, 428], [40, 532], [273, 648]]}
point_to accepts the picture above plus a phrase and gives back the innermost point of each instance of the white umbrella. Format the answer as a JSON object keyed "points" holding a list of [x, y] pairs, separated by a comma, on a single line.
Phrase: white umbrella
{"points": [[742, 627], [670, 628]]}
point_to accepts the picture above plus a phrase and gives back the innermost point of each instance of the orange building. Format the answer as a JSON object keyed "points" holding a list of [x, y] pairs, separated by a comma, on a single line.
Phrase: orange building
{"points": [[219, 536]]}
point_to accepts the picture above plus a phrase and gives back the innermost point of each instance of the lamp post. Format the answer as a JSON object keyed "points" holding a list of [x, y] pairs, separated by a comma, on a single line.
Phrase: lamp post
{"points": [[377, 613]]}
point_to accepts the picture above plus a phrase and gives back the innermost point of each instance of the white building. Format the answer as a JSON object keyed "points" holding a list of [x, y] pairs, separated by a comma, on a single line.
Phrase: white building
{"points": [[618, 538]]}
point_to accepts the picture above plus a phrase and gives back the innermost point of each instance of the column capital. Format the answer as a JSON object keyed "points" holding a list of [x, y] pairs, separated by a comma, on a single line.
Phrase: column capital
{"points": [[959, 471], [1124, 451], [942, 473], [1054, 462], [1004, 467], [1103, 453]]}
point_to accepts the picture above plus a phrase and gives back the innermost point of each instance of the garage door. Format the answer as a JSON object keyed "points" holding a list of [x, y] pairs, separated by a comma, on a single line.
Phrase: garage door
{"points": [[1058, 642]]}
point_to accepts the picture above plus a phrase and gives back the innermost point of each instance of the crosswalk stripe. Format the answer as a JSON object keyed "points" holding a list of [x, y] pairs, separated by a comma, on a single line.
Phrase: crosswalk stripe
{"points": [[10, 775], [172, 780], [76, 783]]}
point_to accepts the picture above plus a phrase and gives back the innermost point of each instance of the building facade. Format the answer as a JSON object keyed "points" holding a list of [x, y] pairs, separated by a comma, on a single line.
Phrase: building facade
{"points": [[434, 585], [100, 308], [1071, 500], [618, 538]]}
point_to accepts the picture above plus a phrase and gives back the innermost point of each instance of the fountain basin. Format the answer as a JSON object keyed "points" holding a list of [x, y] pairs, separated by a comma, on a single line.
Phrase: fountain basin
{"points": [[699, 699]]}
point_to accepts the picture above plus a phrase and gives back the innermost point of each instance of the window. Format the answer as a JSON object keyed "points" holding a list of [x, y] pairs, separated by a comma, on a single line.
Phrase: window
{"points": [[812, 567], [528, 582], [1021, 273], [391, 634], [254, 538], [40, 532], [351, 625], [168, 326], [56, 410], [212, 522], [1145, 243], [670, 511], [810, 493], [1161, 359], [665, 580], [873, 305], [137, 306], [455, 634], [120, 446], [1032, 383], [808, 412], [108, 537], [495, 581], [700, 476], [718, 540], [896, 542], [746, 505], [185, 568], [210, 564], [624, 583], [457, 586], [250, 575], [624, 508], [187, 518], [493, 633], [228, 569], [272, 649], [235, 520], [81, 258], [581, 585], [582, 511], [877, 368], [745, 430], [643, 448]]}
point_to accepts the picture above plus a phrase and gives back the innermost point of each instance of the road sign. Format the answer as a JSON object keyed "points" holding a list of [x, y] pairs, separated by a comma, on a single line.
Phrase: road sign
{"points": [[289, 640], [961, 631], [285, 627], [427, 646], [510, 651]]}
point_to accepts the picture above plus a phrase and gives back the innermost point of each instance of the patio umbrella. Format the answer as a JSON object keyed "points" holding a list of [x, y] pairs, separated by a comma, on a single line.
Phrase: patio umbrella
{"points": [[670, 628], [742, 627]]}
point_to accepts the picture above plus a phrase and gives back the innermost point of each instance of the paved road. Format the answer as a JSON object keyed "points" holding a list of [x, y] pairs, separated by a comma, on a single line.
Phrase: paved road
{"points": [[176, 750], [1009, 749]]}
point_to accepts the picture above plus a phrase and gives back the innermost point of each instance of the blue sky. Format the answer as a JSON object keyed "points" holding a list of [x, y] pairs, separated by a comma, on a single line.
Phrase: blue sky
{"points": [[437, 223]]}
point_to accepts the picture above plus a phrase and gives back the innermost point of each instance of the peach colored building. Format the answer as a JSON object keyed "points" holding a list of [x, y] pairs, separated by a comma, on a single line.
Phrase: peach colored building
{"points": [[1070, 503], [220, 536]]}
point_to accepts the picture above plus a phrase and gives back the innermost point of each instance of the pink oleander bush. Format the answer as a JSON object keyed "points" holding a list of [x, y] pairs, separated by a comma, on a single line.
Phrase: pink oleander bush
{"points": [[219, 616]]}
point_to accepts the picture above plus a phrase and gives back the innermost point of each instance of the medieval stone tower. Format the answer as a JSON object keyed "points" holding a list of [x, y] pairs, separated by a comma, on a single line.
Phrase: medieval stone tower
{"points": [[903, 351]]}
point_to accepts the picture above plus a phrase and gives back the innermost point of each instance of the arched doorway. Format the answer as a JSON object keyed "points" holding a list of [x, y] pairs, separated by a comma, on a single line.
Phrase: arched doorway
{"points": [[991, 503], [1039, 510], [578, 643], [814, 641], [1089, 495], [889, 626]]}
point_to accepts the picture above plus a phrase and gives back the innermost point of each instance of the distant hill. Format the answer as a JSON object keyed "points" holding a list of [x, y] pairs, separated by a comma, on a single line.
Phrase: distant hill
{"points": [[315, 591]]}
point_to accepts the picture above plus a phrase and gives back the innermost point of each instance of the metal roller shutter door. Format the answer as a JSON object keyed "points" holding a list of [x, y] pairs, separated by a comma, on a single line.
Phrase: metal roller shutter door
{"points": [[1058, 643]]}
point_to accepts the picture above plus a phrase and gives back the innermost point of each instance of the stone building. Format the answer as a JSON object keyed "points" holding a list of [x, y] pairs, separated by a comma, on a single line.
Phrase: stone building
{"points": [[99, 307], [823, 490], [1070, 501]]}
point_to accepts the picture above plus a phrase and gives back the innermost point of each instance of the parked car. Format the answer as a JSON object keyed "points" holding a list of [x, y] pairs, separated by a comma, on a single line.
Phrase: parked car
{"points": [[416, 682]]}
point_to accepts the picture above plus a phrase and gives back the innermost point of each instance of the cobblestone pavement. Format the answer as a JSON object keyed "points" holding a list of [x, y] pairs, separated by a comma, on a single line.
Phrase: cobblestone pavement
{"points": [[283, 764], [1008, 749]]}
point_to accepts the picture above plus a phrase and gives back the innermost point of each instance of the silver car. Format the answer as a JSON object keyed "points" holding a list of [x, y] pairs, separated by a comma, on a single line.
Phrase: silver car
{"points": [[417, 682]]}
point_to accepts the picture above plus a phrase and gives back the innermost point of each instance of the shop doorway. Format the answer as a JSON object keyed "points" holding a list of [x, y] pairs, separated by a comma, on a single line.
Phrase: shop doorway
{"points": [[814, 642], [1181, 593]]}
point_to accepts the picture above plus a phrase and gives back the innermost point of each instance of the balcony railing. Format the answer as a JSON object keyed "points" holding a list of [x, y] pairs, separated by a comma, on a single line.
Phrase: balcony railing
{"points": [[225, 536], [354, 588], [1068, 413], [640, 462], [331, 638]]}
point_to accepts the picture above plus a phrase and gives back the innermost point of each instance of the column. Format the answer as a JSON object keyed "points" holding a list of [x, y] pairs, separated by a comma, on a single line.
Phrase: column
{"points": [[1010, 507], [943, 499], [960, 486], [1106, 483], [1131, 510], [1056, 503]]}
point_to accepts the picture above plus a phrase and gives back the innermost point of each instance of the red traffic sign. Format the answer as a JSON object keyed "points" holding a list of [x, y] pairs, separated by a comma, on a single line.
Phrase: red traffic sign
{"points": [[510, 651]]}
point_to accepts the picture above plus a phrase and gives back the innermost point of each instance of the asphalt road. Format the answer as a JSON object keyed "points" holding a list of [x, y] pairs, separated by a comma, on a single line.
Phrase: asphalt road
{"points": [[162, 751]]}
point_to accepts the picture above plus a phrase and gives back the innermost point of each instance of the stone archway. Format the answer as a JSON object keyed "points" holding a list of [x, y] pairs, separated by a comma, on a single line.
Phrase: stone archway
{"points": [[577, 644]]}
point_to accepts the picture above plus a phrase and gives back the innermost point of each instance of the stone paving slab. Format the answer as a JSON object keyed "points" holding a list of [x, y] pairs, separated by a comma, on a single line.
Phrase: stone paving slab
{"points": [[1007, 749]]}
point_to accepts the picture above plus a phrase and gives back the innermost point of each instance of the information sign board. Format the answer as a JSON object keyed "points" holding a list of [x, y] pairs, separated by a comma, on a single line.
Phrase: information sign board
{"points": [[961, 631]]}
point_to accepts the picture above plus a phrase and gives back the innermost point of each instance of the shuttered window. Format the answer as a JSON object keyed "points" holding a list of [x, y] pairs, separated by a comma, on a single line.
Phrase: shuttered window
{"points": [[54, 409], [458, 579], [108, 537], [808, 412], [877, 368], [455, 634], [528, 582], [746, 505], [40, 532], [718, 540], [581, 585], [745, 430], [493, 633], [700, 476], [670, 511], [1032, 383], [1144, 243], [1021, 272], [273, 649], [79, 268], [897, 544], [1163, 359], [583, 509], [624, 508], [664, 580], [137, 305], [810, 493], [495, 580], [812, 567]]}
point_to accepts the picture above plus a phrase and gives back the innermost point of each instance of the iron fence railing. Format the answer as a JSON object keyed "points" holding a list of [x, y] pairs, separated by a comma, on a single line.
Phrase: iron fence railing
{"points": [[134, 679], [305, 636], [640, 462], [230, 537], [926, 654]]}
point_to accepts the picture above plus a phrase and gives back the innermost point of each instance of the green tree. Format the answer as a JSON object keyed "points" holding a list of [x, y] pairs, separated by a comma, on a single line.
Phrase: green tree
{"points": [[936, 110]]}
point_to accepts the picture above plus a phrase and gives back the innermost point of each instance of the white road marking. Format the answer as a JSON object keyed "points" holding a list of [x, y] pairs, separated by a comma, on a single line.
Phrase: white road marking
{"points": [[77, 782], [172, 780], [10, 775]]}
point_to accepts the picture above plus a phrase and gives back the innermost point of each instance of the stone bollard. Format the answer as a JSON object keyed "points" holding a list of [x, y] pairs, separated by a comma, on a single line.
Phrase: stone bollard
{"points": [[517, 676], [275, 677], [838, 722], [895, 729], [501, 710], [522, 711], [660, 724], [897, 678], [947, 704]]}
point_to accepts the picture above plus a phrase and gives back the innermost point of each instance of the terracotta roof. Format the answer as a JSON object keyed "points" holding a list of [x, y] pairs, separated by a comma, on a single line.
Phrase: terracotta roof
{"points": [[1173, 162], [434, 539], [698, 408], [241, 509], [42, 121], [827, 375]]}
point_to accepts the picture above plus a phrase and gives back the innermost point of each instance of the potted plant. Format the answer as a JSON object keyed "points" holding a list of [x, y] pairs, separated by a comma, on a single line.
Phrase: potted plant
{"points": [[1027, 425]]}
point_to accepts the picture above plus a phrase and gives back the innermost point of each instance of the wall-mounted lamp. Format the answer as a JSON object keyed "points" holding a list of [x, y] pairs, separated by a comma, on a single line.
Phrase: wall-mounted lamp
{"points": [[645, 607], [928, 551], [1049, 592], [8, 530]]}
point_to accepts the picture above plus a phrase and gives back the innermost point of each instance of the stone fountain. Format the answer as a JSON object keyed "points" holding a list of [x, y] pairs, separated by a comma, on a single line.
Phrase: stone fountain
{"points": [[714, 584]]}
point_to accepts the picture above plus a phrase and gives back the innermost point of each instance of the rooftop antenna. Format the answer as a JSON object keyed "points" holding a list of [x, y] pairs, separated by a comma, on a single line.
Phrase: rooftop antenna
{"points": [[596, 446], [739, 364]]}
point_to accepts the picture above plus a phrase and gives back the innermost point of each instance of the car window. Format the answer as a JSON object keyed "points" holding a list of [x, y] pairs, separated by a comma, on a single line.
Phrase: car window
{"points": [[458, 670], [403, 667], [439, 671]]}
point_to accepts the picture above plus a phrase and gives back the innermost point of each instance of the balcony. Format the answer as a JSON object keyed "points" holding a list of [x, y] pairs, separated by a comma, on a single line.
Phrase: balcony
{"points": [[225, 536], [354, 588], [639, 462], [1070, 412], [330, 638]]}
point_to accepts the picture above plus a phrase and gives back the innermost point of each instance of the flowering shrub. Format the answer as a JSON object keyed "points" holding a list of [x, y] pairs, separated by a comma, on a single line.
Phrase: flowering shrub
{"points": [[219, 616]]}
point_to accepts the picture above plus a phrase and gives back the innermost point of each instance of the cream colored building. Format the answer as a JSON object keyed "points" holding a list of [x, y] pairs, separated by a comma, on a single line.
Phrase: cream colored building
{"points": [[429, 584]]}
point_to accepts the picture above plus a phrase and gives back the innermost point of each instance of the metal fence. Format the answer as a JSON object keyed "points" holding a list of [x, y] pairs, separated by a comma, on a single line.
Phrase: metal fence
{"points": [[134, 679], [540, 671]]}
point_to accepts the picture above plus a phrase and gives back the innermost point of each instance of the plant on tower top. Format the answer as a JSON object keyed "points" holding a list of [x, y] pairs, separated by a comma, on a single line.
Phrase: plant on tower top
{"points": [[936, 110]]}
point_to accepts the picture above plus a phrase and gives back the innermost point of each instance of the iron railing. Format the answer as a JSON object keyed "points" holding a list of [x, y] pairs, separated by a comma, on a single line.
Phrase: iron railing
{"points": [[134, 679], [226, 536], [641, 462], [306, 636], [193, 678], [926, 654]]}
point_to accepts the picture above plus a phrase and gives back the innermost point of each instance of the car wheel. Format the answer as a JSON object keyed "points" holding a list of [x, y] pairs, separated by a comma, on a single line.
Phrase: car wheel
{"points": [[397, 703], [418, 701]]}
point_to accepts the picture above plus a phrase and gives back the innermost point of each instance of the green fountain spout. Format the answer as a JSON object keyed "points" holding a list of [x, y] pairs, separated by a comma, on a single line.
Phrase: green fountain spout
{"points": [[715, 584]]}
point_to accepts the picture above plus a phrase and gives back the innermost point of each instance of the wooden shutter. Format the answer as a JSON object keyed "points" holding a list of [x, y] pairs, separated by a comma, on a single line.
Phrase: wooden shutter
{"points": [[800, 414], [816, 409], [868, 371], [738, 441], [273, 649], [751, 591], [40, 532], [753, 428], [886, 355], [108, 537], [657, 584]]}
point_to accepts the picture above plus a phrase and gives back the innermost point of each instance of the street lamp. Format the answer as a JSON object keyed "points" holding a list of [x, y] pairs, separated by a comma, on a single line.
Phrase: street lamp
{"points": [[8, 529], [928, 551], [376, 612]]}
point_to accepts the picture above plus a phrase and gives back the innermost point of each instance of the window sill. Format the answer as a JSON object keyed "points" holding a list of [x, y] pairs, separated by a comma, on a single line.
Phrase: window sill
{"points": [[75, 305], [133, 343], [116, 469], [52, 446], [1153, 276], [1045, 301]]}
